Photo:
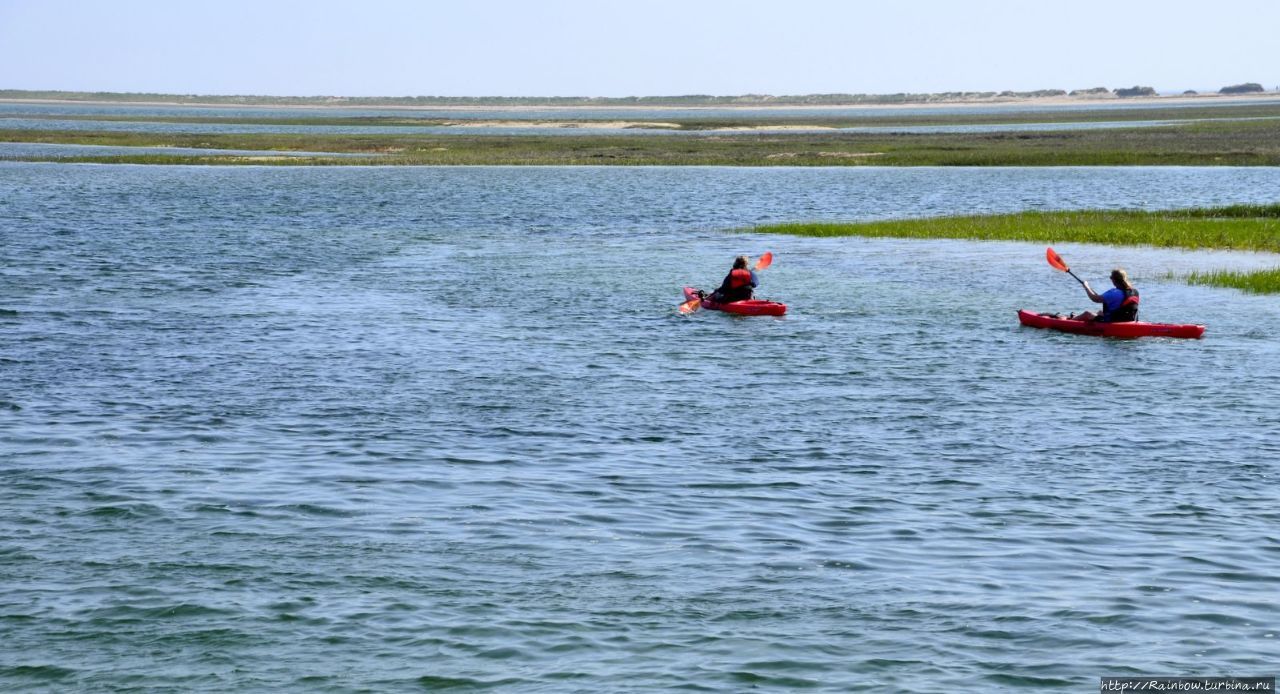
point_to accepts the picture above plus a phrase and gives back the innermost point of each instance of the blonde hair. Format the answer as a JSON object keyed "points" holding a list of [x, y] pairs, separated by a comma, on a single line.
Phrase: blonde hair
{"points": [[1120, 278], [741, 261]]}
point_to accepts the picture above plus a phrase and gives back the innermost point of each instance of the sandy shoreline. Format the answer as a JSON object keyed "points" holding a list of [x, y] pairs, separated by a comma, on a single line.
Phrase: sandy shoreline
{"points": [[1154, 101]]}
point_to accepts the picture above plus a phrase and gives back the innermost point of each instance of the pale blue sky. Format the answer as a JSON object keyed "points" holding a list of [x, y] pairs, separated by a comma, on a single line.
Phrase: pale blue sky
{"points": [[649, 47]]}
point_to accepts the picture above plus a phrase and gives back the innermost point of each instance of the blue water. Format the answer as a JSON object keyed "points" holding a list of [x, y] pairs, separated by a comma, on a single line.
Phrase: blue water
{"points": [[20, 109], [397, 429], [14, 150]]}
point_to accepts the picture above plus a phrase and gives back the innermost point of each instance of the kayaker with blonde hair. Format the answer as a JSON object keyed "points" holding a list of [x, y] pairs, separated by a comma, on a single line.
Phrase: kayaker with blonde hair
{"points": [[1119, 305]]}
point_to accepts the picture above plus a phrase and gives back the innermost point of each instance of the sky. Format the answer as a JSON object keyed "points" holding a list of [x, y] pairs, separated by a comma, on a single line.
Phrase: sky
{"points": [[646, 48]]}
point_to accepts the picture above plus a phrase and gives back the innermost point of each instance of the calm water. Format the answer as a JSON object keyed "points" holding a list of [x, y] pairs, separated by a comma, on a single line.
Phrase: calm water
{"points": [[21, 109], [401, 428], [13, 150]]}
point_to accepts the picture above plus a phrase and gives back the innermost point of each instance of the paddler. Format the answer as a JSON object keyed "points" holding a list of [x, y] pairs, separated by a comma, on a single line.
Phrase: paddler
{"points": [[1119, 304], [738, 284]]}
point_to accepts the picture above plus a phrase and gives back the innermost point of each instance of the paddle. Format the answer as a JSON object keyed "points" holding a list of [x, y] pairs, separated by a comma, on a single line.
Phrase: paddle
{"points": [[1056, 261], [690, 306], [696, 302]]}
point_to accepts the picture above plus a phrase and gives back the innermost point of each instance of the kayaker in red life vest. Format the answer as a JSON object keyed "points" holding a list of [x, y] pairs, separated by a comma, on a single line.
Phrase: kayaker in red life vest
{"points": [[1119, 305], [737, 285]]}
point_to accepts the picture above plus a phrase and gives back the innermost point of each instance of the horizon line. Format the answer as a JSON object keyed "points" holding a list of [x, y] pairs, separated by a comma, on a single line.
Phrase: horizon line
{"points": [[1229, 90]]}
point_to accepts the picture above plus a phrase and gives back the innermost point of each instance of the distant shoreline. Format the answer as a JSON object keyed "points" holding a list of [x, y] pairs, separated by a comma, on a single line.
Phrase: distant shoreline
{"points": [[322, 103], [1159, 131]]}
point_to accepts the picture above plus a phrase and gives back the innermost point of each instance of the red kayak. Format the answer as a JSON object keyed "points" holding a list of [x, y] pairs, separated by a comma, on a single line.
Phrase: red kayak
{"points": [[1130, 329], [750, 307]]}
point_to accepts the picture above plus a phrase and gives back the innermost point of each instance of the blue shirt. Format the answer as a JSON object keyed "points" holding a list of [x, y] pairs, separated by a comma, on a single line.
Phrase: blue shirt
{"points": [[1111, 300]]}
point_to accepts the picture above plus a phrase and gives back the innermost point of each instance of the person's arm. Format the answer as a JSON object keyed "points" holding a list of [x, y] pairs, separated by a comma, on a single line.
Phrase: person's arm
{"points": [[1093, 296], [755, 281]]}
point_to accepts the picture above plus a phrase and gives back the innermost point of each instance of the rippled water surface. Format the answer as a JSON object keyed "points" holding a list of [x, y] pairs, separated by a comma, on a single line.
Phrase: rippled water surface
{"points": [[399, 429]]}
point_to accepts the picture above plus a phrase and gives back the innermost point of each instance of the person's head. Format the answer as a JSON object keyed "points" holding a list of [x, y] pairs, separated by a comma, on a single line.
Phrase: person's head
{"points": [[740, 262], [1120, 278]]}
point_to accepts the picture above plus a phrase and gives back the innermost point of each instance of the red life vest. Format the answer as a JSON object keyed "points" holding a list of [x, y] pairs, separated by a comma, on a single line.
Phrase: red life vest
{"points": [[739, 278]]}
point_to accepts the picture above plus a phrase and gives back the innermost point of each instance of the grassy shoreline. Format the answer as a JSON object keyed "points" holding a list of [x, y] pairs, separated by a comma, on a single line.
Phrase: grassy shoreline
{"points": [[1238, 227], [1207, 143]]}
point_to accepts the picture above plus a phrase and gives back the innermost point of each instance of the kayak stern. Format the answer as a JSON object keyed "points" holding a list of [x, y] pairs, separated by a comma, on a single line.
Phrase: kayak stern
{"points": [[750, 307]]}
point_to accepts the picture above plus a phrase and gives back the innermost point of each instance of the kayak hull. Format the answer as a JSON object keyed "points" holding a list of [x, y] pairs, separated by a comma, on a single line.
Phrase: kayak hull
{"points": [[750, 307], [1120, 330]]}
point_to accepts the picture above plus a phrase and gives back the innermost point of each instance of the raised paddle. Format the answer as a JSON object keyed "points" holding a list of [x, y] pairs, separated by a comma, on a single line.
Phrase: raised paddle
{"points": [[696, 302], [1056, 261]]}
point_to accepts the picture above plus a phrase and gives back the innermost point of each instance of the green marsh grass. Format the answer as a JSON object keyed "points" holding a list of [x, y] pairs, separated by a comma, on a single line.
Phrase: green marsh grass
{"points": [[1216, 143], [1237, 227], [1256, 282], [1241, 227]]}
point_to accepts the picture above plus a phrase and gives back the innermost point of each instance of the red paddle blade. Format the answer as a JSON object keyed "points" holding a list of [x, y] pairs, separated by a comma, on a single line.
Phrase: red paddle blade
{"points": [[765, 261], [690, 306], [1055, 260]]}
